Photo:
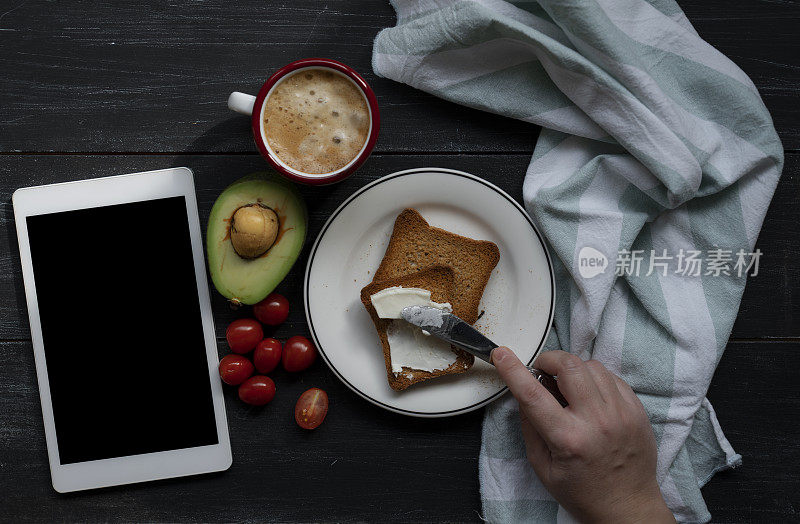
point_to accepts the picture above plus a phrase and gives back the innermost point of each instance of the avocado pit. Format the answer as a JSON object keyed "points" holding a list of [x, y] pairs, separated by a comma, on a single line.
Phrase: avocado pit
{"points": [[254, 230]]}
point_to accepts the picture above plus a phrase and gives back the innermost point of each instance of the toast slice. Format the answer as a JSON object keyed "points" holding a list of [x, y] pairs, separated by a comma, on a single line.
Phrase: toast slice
{"points": [[440, 281], [416, 246]]}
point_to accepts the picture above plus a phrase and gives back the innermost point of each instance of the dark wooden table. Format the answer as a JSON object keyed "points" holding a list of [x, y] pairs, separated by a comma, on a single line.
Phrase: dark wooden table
{"points": [[90, 89]]}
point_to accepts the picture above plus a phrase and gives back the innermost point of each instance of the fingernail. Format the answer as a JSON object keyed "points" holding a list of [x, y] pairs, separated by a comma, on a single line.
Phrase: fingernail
{"points": [[499, 354]]}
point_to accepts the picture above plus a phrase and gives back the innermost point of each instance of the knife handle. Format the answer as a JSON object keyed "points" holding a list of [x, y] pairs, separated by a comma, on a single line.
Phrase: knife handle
{"points": [[550, 383]]}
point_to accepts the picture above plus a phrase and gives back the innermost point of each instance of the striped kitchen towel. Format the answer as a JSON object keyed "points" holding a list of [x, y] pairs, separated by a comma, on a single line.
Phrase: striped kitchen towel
{"points": [[650, 180]]}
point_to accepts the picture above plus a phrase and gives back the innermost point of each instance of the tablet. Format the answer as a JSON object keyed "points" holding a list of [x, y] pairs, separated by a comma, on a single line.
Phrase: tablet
{"points": [[122, 331]]}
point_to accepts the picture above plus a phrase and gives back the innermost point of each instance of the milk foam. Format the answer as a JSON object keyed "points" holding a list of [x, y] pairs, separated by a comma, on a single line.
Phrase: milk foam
{"points": [[316, 121]]}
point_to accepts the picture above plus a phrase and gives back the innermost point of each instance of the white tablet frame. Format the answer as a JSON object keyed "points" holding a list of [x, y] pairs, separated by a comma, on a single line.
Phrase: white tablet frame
{"points": [[84, 194]]}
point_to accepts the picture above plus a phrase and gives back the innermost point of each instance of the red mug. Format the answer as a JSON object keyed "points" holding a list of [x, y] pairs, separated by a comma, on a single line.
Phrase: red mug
{"points": [[254, 107]]}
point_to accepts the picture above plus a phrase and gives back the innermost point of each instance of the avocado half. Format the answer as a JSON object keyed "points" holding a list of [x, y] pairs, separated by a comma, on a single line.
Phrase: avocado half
{"points": [[256, 230]]}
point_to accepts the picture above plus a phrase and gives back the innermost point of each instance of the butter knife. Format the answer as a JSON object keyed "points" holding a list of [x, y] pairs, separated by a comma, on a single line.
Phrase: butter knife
{"points": [[452, 329]]}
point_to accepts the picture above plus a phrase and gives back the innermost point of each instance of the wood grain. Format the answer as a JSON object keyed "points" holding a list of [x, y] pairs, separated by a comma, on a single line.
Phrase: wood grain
{"points": [[366, 464], [154, 77], [362, 464], [758, 407], [94, 89], [778, 278]]}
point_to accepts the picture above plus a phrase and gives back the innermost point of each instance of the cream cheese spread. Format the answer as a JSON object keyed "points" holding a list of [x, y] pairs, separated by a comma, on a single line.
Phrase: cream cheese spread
{"points": [[408, 345], [390, 302]]}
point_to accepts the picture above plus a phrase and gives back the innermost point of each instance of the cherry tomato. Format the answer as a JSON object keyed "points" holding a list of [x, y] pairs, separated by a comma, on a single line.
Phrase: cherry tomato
{"points": [[273, 310], [243, 335], [235, 369], [311, 408], [257, 390], [267, 355], [298, 354]]}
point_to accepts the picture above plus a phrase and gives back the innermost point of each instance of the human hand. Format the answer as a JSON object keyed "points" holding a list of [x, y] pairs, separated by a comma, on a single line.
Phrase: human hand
{"points": [[597, 456]]}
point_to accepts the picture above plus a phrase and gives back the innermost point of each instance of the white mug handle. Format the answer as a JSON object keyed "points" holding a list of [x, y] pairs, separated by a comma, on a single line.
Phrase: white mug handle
{"points": [[241, 103]]}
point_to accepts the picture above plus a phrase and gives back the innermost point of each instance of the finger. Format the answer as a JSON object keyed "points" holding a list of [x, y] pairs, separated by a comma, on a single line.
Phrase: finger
{"points": [[536, 449], [574, 379], [538, 405], [605, 381]]}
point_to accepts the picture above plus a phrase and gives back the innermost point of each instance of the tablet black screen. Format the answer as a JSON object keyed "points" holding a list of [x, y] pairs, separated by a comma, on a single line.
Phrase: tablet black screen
{"points": [[123, 337]]}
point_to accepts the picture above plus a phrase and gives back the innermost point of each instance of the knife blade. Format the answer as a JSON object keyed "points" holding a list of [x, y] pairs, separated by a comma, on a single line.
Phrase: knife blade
{"points": [[448, 327]]}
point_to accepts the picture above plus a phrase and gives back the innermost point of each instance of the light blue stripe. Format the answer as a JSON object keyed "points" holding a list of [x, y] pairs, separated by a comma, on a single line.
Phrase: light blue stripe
{"points": [[750, 120], [517, 92]]}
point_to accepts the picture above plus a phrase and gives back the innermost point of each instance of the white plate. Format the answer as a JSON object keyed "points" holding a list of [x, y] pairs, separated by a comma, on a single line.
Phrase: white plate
{"points": [[518, 300]]}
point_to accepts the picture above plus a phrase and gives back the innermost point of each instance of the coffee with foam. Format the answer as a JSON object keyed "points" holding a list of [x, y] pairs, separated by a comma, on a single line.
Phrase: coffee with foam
{"points": [[316, 120]]}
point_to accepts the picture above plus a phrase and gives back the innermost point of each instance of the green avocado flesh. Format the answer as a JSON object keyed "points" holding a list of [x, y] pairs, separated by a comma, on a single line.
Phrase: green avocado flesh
{"points": [[247, 281]]}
